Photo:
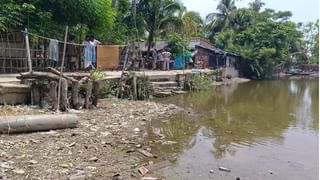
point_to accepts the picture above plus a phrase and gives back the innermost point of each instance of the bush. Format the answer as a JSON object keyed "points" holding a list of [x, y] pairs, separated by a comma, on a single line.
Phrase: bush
{"points": [[97, 75], [199, 82]]}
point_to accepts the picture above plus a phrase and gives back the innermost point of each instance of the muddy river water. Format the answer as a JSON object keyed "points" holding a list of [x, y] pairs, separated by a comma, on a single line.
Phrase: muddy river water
{"points": [[258, 130]]}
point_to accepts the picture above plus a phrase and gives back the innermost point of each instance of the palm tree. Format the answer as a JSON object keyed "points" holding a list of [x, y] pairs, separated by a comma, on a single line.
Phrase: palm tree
{"points": [[240, 19], [217, 21], [256, 5], [191, 26], [157, 15], [192, 23]]}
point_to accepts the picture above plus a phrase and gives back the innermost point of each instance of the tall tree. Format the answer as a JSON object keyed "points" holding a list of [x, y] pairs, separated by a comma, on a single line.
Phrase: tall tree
{"points": [[262, 40], [256, 5], [11, 14], [192, 24], [311, 40], [157, 15], [315, 49], [50, 17], [217, 21], [120, 29]]}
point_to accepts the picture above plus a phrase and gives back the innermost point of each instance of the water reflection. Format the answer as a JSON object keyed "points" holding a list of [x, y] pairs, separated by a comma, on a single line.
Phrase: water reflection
{"points": [[237, 118]]}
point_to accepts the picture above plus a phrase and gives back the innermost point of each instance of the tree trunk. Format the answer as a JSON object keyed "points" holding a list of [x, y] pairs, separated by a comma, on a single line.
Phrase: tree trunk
{"points": [[150, 41], [113, 3], [34, 123]]}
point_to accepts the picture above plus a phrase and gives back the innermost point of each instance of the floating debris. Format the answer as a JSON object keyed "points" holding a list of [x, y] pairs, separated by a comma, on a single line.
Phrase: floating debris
{"points": [[145, 153], [224, 169], [143, 170]]}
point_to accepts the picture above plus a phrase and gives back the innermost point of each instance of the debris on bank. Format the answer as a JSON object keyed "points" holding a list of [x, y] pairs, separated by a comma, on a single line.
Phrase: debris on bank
{"points": [[96, 149]]}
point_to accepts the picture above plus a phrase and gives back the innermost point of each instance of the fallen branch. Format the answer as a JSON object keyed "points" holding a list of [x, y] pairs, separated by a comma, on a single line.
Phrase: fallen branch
{"points": [[56, 72], [35, 75]]}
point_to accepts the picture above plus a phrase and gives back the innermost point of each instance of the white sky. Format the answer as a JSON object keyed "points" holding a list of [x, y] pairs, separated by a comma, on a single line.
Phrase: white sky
{"points": [[302, 10]]}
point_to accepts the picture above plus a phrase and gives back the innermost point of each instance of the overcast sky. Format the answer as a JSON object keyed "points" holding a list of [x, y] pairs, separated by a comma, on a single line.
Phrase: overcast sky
{"points": [[302, 10]]}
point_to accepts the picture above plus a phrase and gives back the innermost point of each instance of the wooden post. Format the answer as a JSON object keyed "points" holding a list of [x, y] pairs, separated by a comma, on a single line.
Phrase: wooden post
{"points": [[119, 93], [62, 64], [96, 92], [28, 50], [88, 94], [64, 94], [35, 94], [183, 59], [53, 85], [135, 93], [75, 95]]}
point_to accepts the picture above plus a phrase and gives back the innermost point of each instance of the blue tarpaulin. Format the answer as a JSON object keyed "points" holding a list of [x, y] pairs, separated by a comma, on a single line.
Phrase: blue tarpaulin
{"points": [[178, 62]]}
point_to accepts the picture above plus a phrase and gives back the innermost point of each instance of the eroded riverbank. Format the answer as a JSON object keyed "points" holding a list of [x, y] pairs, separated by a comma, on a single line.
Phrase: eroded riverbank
{"points": [[104, 146], [257, 130]]}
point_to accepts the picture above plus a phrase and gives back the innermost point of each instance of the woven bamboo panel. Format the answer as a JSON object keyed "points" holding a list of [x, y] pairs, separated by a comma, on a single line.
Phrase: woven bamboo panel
{"points": [[107, 57]]}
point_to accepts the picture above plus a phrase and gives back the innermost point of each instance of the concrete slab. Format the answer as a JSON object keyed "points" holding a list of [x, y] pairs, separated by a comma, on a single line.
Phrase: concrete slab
{"points": [[14, 93], [165, 84], [5, 78]]}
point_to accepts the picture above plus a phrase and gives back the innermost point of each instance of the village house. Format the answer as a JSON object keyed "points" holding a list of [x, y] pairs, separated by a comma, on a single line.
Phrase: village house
{"points": [[13, 57], [207, 55]]}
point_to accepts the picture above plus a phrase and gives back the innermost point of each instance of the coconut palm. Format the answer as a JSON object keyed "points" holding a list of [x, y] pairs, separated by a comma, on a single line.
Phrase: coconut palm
{"points": [[192, 23], [217, 21], [256, 5], [157, 15], [240, 19]]}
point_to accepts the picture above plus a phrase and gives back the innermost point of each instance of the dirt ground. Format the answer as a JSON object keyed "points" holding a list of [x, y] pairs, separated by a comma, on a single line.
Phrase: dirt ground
{"points": [[108, 144]]}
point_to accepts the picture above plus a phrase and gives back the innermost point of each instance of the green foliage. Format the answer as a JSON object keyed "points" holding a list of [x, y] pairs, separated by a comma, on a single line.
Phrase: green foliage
{"points": [[5, 108], [217, 21], [256, 5], [108, 89], [263, 39], [199, 82], [50, 17], [311, 41], [192, 24], [120, 30], [43, 81], [157, 16], [97, 75], [176, 44], [10, 14]]}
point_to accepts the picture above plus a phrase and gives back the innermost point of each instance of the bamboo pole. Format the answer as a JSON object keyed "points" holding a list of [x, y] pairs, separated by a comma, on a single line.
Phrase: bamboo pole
{"points": [[119, 93], [62, 64], [28, 50]]}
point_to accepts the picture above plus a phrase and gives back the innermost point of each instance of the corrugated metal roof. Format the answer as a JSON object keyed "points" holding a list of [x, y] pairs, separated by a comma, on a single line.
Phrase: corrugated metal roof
{"points": [[193, 43], [217, 50], [163, 44]]}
